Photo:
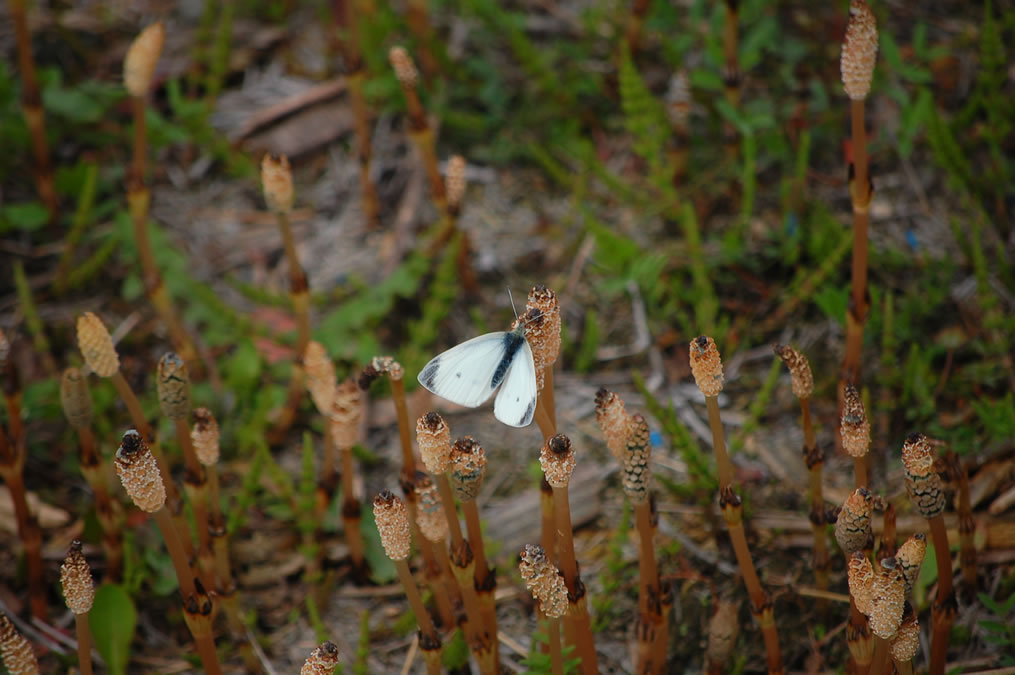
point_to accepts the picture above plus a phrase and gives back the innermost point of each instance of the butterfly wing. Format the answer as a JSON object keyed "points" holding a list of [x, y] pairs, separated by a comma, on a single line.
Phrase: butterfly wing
{"points": [[516, 400], [465, 374]]}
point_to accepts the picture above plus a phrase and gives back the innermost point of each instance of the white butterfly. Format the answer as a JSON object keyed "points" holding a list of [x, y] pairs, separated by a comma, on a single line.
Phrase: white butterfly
{"points": [[469, 374]]}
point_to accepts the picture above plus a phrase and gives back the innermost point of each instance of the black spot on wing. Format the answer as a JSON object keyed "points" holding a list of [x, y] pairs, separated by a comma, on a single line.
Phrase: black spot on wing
{"points": [[512, 342], [527, 417], [429, 374]]}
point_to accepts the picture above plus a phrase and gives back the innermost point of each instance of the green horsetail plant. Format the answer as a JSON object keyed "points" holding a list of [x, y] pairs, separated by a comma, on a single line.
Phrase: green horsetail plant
{"points": [[927, 494], [138, 73], [31, 107], [344, 423], [392, 519], [855, 430], [706, 367], [173, 387], [277, 182], [859, 54], [322, 661], [468, 465], [76, 400], [100, 356], [16, 653], [79, 594], [13, 452], [420, 132], [433, 525], [346, 14], [802, 382], [723, 631], [550, 591], [854, 535], [142, 481], [558, 460], [386, 365]]}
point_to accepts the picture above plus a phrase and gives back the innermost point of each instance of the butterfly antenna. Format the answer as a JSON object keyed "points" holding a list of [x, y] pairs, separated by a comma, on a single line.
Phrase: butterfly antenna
{"points": [[511, 297]]}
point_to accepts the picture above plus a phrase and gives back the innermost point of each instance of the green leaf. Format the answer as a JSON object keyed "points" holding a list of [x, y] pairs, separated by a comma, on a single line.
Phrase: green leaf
{"points": [[112, 620], [833, 301], [26, 217]]}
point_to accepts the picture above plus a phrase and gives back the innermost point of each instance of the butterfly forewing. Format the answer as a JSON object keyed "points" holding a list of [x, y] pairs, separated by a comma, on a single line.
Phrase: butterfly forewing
{"points": [[465, 374], [516, 400]]}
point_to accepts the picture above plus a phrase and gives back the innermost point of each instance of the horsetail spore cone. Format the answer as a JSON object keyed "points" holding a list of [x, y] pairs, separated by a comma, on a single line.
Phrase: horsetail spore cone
{"points": [[433, 436], [17, 654], [322, 661], [614, 421], [79, 594], [859, 51], [97, 346], [853, 526], [139, 473]]}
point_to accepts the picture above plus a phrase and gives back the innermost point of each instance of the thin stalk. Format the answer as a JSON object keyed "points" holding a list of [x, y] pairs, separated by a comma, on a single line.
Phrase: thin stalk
{"points": [[196, 484], [346, 15], [84, 635], [879, 663], [404, 433], [944, 608], [888, 546], [351, 511], [556, 653], [585, 644], [731, 72], [31, 106], [418, 19], [299, 298], [428, 634], [12, 464], [463, 565], [635, 21], [448, 504], [547, 396], [814, 459], [856, 314], [648, 657], [547, 532], [859, 639], [197, 611], [442, 587], [967, 526], [484, 580], [729, 502], [138, 202], [176, 552]]}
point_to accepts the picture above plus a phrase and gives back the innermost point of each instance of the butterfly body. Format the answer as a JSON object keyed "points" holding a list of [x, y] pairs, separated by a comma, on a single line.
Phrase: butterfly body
{"points": [[470, 373]]}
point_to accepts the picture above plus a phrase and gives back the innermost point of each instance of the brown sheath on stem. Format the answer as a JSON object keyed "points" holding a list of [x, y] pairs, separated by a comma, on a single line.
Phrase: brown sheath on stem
{"points": [[12, 463]]}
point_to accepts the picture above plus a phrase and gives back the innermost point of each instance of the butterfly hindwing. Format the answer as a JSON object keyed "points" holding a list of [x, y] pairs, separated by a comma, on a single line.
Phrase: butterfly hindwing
{"points": [[464, 374], [516, 400]]}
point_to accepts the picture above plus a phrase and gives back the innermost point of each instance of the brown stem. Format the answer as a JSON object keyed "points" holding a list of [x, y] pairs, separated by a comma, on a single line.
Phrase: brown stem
{"points": [[860, 472], [731, 71], [761, 604], [547, 396], [108, 512], [548, 534], [448, 503], [647, 571], [417, 17], [722, 458], [814, 459], [859, 639], [197, 611], [967, 526], [12, 463], [84, 634], [402, 412], [879, 663], [944, 608], [475, 531], [635, 21], [485, 581], [351, 510], [426, 626], [176, 552], [860, 193], [556, 653], [423, 139], [31, 106], [585, 641], [888, 546]]}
